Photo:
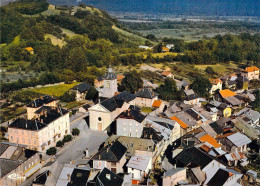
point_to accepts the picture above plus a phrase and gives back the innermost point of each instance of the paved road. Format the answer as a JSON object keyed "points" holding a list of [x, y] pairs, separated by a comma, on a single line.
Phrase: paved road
{"points": [[73, 150]]}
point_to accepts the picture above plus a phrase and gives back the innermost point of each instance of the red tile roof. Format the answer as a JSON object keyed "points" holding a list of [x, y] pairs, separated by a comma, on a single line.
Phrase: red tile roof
{"points": [[181, 123]]}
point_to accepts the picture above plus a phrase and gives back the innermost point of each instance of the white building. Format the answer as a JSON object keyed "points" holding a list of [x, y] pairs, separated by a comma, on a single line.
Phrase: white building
{"points": [[139, 167]]}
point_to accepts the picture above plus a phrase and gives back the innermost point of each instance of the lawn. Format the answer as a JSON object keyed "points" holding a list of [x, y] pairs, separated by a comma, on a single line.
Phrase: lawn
{"points": [[219, 68], [51, 11], [72, 105], [146, 109], [56, 90]]}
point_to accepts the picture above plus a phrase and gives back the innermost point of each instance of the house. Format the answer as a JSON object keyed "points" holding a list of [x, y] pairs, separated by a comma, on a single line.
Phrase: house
{"points": [[182, 84], [38, 103], [216, 85], [222, 109], [41, 179], [48, 125], [72, 175], [251, 73], [191, 98], [17, 163], [229, 97], [229, 81], [107, 177], [167, 74], [148, 84], [242, 82], [236, 142], [170, 46], [30, 50], [173, 176], [84, 108], [241, 123], [145, 97], [139, 167], [80, 91], [196, 176], [104, 113], [158, 105], [130, 123], [135, 145], [165, 49], [224, 176], [144, 47], [112, 157]]}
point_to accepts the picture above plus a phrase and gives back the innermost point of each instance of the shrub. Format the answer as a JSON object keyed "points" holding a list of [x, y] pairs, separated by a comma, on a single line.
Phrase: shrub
{"points": [[67, 138], [51, 151], [75, 131], [59, 143]]}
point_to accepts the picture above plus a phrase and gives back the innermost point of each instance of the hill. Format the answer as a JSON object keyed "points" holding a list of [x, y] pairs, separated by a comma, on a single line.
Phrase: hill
{"points": [[177, 7]]}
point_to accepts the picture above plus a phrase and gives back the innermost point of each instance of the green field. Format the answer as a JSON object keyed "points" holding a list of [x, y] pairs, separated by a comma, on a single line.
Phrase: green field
{"points": [[68, 32], [57, 90], [219, 68], [129, 36]]}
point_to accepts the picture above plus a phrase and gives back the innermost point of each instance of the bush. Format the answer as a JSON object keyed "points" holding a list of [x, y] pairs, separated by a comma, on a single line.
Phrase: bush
{"points": [[59, 143], [67, 138], [51, 151], [75, 131]]}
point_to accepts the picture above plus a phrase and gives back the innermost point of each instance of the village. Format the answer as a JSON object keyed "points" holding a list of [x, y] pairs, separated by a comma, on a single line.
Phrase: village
{"points": [[114, 142]]}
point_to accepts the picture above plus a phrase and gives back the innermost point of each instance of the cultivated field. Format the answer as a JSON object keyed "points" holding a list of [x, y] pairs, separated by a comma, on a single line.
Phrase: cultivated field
{"points": [[57, 90]]}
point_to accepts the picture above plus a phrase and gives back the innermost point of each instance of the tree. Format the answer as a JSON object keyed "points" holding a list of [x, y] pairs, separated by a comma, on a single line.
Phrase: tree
{"points": [[256, 103], [68, 97], [151, 37], [67, 138], [75, 131], [210, 70], [92, 93], [132, 82], [51, 151], [168, 90], [201, 86], [59, 143]]}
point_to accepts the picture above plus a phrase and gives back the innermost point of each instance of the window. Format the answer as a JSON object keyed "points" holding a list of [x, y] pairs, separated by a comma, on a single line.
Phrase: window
{"points": [[34, 142], [25, 168], [12, 138], [29, 140], [32, 163], [99, 119], [29, 165], [17, 139], [99, 163], [23, 140]]}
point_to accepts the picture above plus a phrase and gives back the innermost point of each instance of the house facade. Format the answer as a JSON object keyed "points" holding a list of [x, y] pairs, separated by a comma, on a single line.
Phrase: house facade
{"points": [[251, 73], [145, 97], [130, 123], [216, 85], [44, 131], [80, 91]]}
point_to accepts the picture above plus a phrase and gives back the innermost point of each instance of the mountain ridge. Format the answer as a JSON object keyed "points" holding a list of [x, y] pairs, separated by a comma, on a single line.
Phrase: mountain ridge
{"points": [[178, 7]]}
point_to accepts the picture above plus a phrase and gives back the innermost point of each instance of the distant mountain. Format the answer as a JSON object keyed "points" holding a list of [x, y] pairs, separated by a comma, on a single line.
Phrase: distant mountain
{"points": [[178, 7]]}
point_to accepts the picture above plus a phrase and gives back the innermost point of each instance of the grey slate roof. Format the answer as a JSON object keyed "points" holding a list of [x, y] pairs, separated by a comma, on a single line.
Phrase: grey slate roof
{"points": [[117, 101], [193, 157], [239, 139], [132, 114], [7, 166], [41, 101], [146, 93], [110, 152], [36, 124], [82, 87], [173, 171], [114, 180]]}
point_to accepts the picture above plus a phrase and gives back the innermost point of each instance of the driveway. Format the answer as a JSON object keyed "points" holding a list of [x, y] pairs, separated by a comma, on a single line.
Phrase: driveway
{"points": [[73, 150]]}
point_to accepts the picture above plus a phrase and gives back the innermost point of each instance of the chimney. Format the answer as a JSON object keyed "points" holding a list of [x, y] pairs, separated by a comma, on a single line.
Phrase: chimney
{"points": [[41, 120], [68, 175], [108, 176], [107, 149]]}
